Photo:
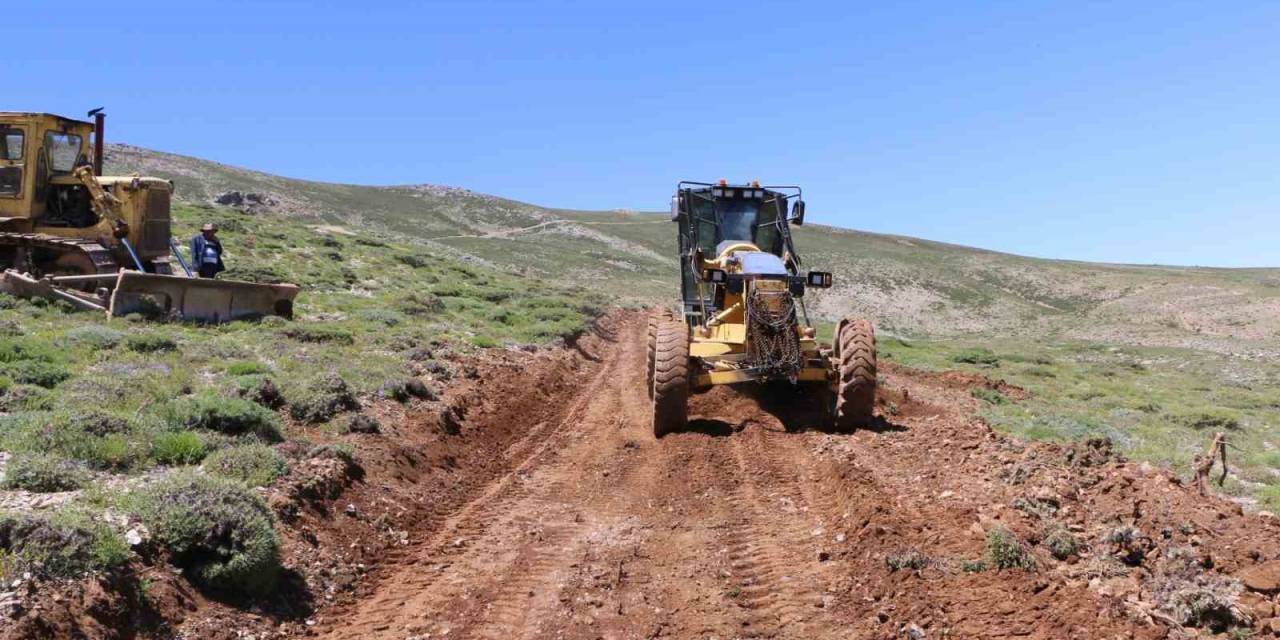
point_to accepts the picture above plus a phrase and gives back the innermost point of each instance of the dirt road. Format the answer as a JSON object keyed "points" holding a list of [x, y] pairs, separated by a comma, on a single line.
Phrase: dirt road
{"points": [[751, 525]]}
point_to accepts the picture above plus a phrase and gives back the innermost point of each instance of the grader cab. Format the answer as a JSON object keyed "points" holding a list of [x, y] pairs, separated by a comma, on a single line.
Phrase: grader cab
{"points": [[741, 318], [98, 242]]}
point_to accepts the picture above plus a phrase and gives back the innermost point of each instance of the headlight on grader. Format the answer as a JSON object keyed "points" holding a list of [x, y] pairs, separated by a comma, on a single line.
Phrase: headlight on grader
{"points": [[716, 276], [819, 279]]}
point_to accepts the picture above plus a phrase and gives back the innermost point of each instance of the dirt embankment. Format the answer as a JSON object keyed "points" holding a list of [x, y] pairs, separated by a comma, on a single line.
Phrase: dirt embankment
{"points": [[552, 512], [752, 525]]}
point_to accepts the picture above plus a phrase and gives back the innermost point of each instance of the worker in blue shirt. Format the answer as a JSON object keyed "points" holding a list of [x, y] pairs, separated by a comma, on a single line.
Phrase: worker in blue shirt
{"points": [[206, 252]]}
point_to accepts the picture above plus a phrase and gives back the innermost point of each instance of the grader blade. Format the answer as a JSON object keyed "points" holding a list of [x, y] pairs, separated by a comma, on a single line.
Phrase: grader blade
{"points": [[199, 299]]}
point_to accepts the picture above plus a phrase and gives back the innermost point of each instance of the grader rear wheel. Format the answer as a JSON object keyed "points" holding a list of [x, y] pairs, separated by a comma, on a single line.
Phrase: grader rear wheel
{"points": [[856, 386], [670, 377]]}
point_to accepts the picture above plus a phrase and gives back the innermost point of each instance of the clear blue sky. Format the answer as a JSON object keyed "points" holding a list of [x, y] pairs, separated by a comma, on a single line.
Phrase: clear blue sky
{"points": [[1135, 132]]}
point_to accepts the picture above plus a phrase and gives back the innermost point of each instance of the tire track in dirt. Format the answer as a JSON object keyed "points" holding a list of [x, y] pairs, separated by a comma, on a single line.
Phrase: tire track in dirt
{"points": [[473, 578]]}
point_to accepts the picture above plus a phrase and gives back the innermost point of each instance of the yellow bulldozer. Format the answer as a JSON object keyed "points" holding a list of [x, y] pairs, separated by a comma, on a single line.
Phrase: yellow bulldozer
{"points": [[742, 318], [101, 243]]}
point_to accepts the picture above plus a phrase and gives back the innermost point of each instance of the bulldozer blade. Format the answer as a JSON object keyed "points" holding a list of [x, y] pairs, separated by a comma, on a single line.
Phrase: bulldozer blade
{"points": [[200, 299], [15, 283]]}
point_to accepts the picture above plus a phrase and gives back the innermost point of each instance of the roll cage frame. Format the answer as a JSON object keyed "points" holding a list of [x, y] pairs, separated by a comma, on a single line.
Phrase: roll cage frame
{"points": [[698, 304]]}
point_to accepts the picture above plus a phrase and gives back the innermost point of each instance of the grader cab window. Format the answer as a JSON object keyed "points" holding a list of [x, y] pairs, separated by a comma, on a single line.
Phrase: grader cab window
{"points": [[63, 150], [11, 150], [752, 220]]}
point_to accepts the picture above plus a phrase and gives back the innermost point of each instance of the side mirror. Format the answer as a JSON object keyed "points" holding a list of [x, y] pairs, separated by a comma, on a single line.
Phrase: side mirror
{"points": [[675, 208], [797, 213]]}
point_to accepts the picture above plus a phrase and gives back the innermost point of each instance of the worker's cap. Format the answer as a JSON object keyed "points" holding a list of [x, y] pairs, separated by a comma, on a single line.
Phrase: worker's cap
{"points": [[209, 226]]}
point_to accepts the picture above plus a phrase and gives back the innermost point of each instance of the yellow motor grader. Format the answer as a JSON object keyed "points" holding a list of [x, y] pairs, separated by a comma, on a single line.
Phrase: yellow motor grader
{"points": [[742, 317], [101, 243]]}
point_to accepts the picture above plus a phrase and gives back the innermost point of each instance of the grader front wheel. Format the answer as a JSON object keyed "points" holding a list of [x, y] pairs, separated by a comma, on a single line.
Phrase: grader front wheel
{"points": [[670, 377], [856, 386], [655, 318]]}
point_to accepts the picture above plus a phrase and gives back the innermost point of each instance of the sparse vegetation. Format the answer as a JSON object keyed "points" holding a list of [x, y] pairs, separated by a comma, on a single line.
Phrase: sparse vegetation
{"points": [[907, 559], [43, 473], [322, 399], [977, 355], [256, 465], [990, 396], [231, 416], [1059, 541], [179, 448], [1195, 597], [1005, 551], [61, 546], [150, 343]]}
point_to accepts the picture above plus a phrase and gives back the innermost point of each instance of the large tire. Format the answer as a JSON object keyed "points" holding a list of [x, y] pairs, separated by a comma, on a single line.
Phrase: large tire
{"points": [[856, 387], [670, 378], [655, 318]]}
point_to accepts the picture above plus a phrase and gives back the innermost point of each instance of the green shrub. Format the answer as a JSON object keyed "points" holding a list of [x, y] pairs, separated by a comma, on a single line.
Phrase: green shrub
{"points": [[1006, 551], [36, 372], [1060, 542], [218, 531], [361, 423], [256, 465], [979, 356], [116, 452], [908, 559], [261, 390], [43, 473], [334, 451], [96, 336], [247, 368], [414, 260], [24, 397], [404, 390], [232, 416], [385, 317], [319, 334], [990, 396], [420, 304], [63, 545], [323, 399], [1215, 419], [101, 440], [178, 448], [260, 273], [15, 350], [150, 343]]}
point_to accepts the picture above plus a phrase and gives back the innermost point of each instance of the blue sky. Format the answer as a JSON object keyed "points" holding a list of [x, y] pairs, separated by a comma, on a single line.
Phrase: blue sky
{"points": [[1129, 132]]}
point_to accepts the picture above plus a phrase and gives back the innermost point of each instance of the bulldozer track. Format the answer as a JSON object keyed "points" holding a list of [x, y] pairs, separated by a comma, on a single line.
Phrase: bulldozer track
{"points": [[95, 253]]}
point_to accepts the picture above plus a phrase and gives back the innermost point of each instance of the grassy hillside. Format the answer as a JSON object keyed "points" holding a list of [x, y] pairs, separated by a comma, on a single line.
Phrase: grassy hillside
{"points": [[909, 286], [115, 417]]}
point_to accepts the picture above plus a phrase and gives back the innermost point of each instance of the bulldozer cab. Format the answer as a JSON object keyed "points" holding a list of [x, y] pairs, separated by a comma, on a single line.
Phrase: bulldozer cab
{"points": [[714, 217], [38, 150]]}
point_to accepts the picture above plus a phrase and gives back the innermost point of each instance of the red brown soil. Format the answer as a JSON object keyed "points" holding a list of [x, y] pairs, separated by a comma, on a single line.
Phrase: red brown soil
{"points": [[556, 514]]}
